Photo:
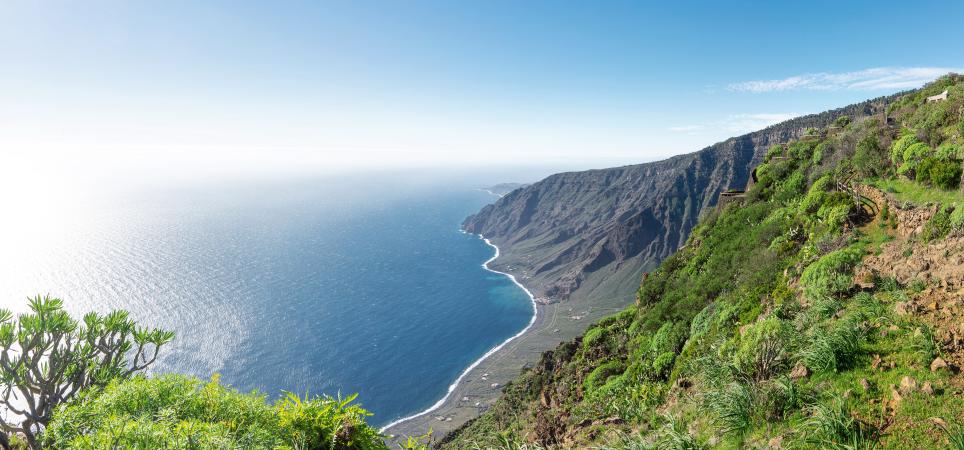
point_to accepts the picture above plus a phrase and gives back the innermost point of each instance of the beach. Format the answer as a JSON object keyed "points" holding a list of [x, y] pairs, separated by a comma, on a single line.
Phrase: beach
{"points": [[481, 383]]}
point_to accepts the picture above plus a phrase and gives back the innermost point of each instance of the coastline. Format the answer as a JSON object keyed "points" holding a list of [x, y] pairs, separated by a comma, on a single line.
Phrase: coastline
{"points": [[455, 384], [480, 385]]}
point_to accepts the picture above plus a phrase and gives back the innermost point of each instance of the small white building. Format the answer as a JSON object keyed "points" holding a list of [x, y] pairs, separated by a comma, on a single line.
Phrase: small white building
{"points": [[938, 97]]}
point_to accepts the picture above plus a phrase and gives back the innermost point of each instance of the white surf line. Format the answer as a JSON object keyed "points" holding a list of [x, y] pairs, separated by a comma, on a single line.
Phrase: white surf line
{"points": [[491, 193], [532, 321]]}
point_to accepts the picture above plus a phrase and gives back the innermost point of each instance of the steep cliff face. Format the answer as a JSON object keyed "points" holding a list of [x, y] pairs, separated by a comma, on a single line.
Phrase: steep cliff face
{"points": [[594, 233], [823, 306]]}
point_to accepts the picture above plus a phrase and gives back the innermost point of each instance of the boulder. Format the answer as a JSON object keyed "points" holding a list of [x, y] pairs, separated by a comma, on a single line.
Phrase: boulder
{"points": [[799, 371], [908, 385]]}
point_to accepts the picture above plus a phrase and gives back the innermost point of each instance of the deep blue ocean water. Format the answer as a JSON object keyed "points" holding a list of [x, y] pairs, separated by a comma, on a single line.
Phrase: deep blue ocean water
{"points": [[328, 286]]}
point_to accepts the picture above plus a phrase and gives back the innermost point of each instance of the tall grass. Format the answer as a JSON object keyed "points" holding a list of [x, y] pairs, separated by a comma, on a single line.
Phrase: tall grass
{"points": [[833, 427]]}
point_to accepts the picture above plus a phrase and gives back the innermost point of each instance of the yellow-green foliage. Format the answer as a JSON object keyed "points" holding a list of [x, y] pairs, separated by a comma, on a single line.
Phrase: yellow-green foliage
{"points": [[831, 274], [763, 349], [774, 150], [760, 289], [912, 157], [814, 198], [175, 411], [601, 374], [900, 146], [938, 226]]}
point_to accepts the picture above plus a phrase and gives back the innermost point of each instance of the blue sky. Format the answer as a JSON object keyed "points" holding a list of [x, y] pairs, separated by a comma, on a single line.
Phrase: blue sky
{"points": [[210, 87]]}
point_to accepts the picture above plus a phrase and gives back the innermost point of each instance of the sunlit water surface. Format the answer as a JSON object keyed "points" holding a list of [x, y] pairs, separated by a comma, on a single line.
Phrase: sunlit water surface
{"points": [[326, 286]]}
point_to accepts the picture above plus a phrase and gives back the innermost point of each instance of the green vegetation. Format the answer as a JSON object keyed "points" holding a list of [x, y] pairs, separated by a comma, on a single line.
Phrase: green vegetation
{"points": [[174, 411], [917, 194], [48, 358], [79, 384], [756, 331]]}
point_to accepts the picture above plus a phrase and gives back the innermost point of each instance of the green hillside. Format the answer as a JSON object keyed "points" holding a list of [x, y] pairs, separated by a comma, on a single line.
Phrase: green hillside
{"points": [[819, 309]]}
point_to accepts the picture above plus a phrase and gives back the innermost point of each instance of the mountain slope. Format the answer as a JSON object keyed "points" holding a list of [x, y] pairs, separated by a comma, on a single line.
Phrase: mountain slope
{"points": [[593, 233], [822, 309]]}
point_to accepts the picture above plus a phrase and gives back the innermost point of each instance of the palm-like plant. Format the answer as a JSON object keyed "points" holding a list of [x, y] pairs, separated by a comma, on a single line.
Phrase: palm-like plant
{"points": [[47, 357]]}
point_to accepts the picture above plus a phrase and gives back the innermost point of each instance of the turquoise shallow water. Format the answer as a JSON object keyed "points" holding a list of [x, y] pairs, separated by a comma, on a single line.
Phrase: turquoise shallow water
{"points": [[325, 286]]}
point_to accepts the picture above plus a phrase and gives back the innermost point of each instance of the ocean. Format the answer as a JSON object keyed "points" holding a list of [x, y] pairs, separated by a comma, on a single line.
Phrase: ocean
{"points": [[337, 285]]}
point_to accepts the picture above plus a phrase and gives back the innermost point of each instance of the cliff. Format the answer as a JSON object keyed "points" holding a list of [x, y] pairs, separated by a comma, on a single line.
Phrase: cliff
{"points": [[821, 309], [593, 233]]}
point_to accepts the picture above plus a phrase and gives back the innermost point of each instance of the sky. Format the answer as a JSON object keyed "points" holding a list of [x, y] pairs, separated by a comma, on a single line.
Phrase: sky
{"points": [[113, 89]]}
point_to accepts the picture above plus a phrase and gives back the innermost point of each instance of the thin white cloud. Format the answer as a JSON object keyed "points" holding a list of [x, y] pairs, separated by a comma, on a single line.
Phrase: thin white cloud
{"points": [[736, 124], [686, 128], [875, 79]]}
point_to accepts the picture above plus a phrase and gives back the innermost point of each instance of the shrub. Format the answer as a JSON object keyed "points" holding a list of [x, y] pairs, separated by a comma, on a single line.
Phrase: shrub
{"points": [[783, 397], [945, 174], [869, 159], [842, 121], [48, 358], [774, 150], [923, 174], [939, 225], [949, 151], [593, 337], [819, 153], [814, 198], [912, 158], [669, 338], [600, 374], [957, 218], [899, 146], [831, 274], [704, 319], [663, 363], [800, 150], [761, 351], [836, 209], [175, 411]]}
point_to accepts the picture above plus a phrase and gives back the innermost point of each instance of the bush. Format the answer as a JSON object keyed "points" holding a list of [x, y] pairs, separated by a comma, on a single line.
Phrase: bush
{"points": [[600, 374], [949, 151], [819, 153], [782, 397], [832, 273], [939, 225], [957, 218], [662, 364], [899, 146], [912, 157], [593, 337], [48, 357], [869, 159], [945, 174], [761, 351], [923, 174], [774, 150], [175, 411], [814, 198]]}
